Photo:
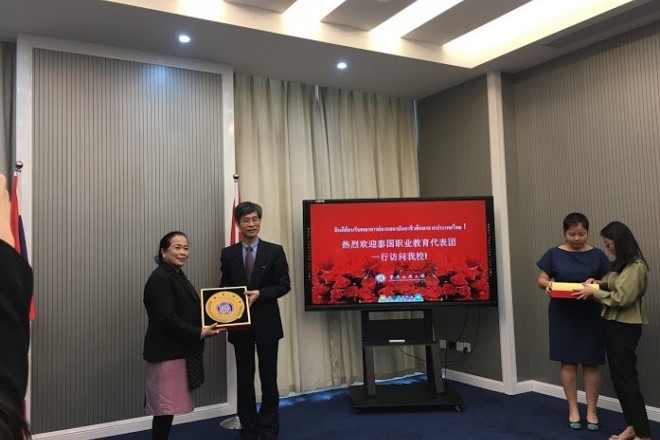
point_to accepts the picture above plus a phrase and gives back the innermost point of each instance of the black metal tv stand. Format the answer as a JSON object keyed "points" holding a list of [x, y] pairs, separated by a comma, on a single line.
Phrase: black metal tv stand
{"points": [[390, 332]]}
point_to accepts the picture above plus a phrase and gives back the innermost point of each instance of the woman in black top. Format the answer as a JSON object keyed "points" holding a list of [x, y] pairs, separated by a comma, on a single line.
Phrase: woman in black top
{"points": [[174, 342]]}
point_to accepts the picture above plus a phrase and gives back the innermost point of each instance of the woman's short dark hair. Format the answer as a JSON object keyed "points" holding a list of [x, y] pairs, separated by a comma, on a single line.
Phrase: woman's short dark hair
{"points": [[165, 243], [575, 219], [245, 208], [626, 249]]}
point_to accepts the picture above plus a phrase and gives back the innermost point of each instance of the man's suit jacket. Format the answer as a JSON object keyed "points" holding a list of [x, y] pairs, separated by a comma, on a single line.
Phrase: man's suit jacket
{"points": [[174, 312], [15, 295], [270, 276]]}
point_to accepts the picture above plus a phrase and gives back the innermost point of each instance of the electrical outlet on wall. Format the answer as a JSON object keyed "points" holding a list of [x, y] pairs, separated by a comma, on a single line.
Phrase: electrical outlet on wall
{"points": [[463, 347]]}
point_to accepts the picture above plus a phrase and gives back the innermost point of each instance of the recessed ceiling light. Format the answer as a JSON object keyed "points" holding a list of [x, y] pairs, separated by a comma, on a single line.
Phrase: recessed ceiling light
{"points": [[184, 39], [341, 65]]}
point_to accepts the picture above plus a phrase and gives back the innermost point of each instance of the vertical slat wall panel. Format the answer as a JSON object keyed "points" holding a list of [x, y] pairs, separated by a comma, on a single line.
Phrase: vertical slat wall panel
{"points": [[123, 153], [518, 231], [587, 140], [454, 160]]}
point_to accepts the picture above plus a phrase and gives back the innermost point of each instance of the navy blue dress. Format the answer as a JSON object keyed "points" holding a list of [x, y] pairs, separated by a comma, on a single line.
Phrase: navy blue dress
{"points": [[576, 334]]}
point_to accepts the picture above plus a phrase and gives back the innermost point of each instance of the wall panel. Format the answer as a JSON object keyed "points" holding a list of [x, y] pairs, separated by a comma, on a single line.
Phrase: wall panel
{"points": [[454, 161], [587, 140], [123, 153]]}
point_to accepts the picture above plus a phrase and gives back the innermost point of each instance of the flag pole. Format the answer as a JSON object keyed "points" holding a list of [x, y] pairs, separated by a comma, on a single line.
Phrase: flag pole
{"points": [[20, 248], [234, 234], [233, 422], [18, 167]]}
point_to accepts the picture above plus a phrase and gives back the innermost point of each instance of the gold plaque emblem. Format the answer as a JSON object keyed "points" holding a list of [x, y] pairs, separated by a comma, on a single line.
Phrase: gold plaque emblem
{"points": [[225, 307]]}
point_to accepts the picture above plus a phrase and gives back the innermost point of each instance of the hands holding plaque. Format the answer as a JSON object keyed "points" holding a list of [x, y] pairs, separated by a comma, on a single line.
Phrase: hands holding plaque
{"points": [[227, 307]]}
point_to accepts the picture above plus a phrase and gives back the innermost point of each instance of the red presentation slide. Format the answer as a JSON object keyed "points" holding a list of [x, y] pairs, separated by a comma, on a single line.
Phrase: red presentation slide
{"points": [[409, 251]]}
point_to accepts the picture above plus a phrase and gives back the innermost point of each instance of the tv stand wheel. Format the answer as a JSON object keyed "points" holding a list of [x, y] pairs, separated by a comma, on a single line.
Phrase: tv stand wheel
{"points": [[458, 408]]}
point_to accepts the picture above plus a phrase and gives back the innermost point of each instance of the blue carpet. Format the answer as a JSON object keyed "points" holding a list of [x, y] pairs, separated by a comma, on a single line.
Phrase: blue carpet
{"points": [[328, 415]]}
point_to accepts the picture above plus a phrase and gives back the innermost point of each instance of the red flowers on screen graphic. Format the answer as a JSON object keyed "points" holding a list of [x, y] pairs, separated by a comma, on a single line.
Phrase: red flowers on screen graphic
{"points": [[371, 280]]}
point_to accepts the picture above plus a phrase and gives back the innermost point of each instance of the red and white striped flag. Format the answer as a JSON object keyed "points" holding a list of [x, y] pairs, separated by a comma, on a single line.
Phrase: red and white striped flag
{"points": [[19, 234]]}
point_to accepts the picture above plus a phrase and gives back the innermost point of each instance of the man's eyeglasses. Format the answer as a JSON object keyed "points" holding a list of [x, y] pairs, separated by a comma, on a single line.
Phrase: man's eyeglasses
{"points": [[248, 220]]}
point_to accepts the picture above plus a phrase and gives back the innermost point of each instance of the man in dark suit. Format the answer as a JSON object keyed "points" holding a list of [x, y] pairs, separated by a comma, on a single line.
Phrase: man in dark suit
{"points": [[268, 280]]}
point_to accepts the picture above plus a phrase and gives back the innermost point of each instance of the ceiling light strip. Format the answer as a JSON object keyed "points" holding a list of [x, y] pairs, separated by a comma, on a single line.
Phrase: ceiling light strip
{"points": [[412, 17], [311, 10], [529, 23]]}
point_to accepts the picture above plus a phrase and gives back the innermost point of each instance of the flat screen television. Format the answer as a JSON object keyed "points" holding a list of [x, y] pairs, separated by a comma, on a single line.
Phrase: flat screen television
{"points": [[399, 254]]}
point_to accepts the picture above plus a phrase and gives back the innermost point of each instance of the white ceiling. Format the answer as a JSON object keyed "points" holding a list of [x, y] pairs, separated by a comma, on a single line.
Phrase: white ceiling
{"points": [[240, 33]]}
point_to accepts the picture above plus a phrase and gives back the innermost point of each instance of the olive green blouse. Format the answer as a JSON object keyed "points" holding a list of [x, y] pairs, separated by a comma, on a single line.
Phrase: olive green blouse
{"points": [[621, 294]]}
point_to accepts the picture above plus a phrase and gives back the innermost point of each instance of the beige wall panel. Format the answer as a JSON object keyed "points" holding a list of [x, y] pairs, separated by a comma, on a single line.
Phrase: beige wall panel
{"points": [[123, 153]]}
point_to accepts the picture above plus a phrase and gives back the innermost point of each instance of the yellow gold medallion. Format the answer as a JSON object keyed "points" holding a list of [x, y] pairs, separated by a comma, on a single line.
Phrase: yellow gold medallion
{"points": [[225, 307]]}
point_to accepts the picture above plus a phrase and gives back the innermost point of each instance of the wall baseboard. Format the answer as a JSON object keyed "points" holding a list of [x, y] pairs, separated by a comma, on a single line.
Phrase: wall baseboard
{"points": [[533, 386], [212, 411], [476, 381], [120, 427]]}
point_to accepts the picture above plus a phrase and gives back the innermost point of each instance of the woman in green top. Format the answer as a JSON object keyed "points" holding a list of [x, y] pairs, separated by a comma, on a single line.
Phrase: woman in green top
{"points": [[620, 292]]}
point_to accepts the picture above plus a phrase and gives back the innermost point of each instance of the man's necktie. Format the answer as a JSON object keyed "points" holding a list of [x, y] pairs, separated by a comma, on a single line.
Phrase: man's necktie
{"points": [[249, 262]]}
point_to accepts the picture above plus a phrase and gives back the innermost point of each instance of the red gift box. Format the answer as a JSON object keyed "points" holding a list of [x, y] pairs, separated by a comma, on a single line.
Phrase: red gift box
{"points": [[566, 290]]}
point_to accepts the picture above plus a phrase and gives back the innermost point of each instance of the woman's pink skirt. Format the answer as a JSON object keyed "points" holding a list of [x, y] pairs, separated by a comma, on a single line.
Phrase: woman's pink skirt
{"points": [[167, 388]]}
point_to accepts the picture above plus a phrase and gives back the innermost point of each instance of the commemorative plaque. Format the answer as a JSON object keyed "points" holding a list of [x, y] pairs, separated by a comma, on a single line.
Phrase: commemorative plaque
{"points": [[228, 306]]}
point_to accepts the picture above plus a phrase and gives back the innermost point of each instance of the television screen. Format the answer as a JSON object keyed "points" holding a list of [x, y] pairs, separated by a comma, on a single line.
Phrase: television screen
{"points": [[399, 254]]}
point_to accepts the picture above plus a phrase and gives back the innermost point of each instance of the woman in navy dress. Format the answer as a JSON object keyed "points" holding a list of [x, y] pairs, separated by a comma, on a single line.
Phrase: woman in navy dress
{"points": [[575, 326]]}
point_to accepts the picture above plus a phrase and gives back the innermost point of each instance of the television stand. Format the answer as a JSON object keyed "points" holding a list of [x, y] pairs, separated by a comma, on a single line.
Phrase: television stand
{"points": [[391, 332]]}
